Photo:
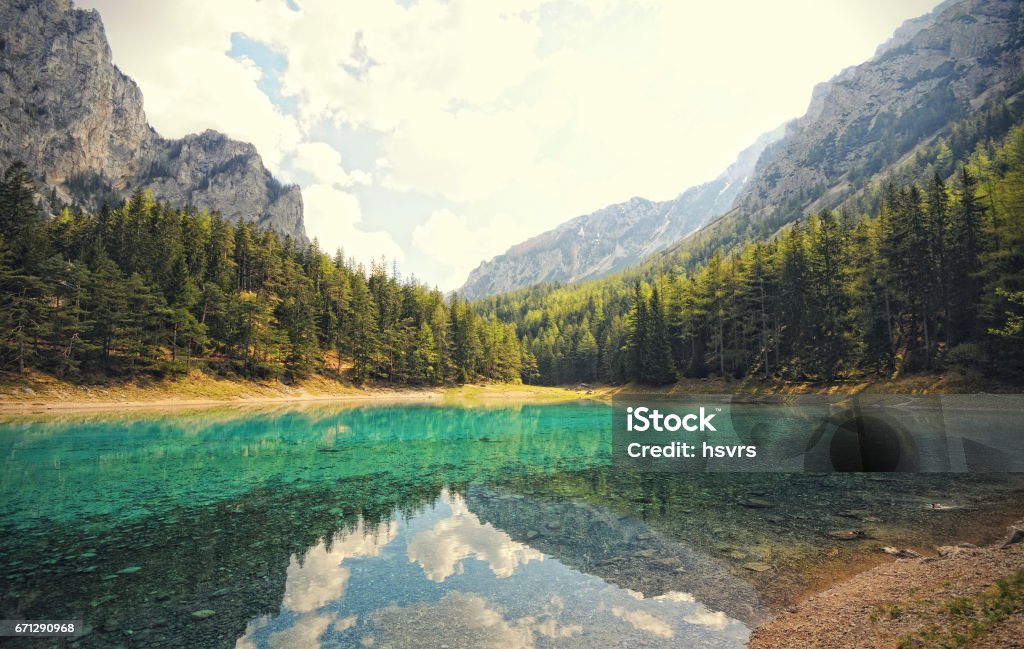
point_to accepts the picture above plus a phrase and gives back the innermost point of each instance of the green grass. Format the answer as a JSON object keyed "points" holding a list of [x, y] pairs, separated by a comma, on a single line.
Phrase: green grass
{"points": [[971, 618]]}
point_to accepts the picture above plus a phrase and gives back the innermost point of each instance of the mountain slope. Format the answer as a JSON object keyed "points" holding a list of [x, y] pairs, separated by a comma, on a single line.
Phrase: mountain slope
{"points": [[961, 64], [869, 116], [935, 70], [78, 123], [863, 289], [617, 236]]}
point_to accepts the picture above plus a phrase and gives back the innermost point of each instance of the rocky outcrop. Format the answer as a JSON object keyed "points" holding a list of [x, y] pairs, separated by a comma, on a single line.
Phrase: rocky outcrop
{"points": [[936, 69], [911, 27], [78, 123], [615, 237]]}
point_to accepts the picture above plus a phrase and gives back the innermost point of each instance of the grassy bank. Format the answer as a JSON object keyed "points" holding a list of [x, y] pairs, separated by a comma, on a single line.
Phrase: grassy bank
{"points": [[33, 391], [37, 390], [971, 382]]}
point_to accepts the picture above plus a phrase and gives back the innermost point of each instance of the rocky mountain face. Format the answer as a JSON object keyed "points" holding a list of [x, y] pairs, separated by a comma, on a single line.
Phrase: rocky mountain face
{"points": [[614, 237], [78, 123], [911, 27], [936, 69]]}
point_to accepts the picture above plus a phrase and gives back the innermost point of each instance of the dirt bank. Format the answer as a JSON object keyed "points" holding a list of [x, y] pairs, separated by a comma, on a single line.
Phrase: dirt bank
{"points": [[35, 392], [964, 597]]}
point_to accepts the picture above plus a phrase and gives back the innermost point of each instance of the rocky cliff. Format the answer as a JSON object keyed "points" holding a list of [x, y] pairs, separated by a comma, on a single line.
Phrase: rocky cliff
{"points": [[614, 237], [935, 70], [79, 123]]}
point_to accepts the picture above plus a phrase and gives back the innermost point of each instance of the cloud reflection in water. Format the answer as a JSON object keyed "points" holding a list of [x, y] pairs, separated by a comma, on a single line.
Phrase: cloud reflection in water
{"points": [[441, 576]]}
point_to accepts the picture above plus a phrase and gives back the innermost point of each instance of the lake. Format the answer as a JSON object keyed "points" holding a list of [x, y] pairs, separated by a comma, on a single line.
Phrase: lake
{"points": [[427, 526]]}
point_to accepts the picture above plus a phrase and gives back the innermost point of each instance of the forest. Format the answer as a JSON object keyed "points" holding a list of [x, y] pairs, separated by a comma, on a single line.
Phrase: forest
{"points": [[148, 289], [914, 277], [933, 279]]}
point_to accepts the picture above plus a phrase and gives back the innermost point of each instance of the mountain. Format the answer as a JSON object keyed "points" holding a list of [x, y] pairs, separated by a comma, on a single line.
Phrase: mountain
{"points": [[911, 27], [905, 178], [859, 127], [617, 236], [78, 123], [936, 70]]}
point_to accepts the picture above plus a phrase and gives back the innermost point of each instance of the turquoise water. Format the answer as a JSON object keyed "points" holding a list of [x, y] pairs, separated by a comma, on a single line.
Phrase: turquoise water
{"points": [[418, 526]]}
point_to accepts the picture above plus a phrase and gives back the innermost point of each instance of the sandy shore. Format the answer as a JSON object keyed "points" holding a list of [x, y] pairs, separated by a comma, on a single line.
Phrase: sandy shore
{"points": [[20, 407], [36, 391], [946, 600], [40, 393]]}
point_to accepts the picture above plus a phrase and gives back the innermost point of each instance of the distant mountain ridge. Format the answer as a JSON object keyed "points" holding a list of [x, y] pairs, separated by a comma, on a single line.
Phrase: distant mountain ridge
{"points": [[934, 70], [78, 123], [615, 237]]}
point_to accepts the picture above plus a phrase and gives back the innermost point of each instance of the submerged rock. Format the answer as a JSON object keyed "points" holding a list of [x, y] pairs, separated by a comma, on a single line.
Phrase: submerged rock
{"points": [[903, 554], [846, 535], [1016, 536]]}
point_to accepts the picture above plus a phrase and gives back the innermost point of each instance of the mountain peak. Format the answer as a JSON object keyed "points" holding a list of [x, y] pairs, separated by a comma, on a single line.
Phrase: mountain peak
{"points": [[81, 127], [614, 237]]}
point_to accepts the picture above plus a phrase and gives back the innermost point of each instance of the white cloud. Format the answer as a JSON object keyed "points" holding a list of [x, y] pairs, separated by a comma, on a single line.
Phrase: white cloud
{"points": [[441, 550], [644, 621], [530, 112], [716, 620], [319, 577], [467, 619], [441, 152], [334, 218], [323, 163], [316, 579], [458, 247]]}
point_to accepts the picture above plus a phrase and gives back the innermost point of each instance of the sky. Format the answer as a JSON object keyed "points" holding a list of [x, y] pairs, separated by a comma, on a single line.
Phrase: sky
{"points": [[439, 133]]}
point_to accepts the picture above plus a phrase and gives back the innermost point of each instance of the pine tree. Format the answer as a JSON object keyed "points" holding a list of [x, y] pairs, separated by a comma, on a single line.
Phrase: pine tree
{"points": [[826, 297], [360, 329], [21, 221], [965, 254], [793, 295], [658, 366], [938, 224], [22, 314], [639, 332], [587, 356]]}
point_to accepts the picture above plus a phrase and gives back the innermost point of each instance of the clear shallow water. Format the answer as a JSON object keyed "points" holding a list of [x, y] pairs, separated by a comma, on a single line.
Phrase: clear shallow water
{"points": [[420, 526]]}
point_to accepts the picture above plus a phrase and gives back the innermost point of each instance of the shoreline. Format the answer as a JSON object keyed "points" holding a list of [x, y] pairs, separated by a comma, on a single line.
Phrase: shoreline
{"points": [[40, 392], [15, 408], [37, 393], [914, 601]]}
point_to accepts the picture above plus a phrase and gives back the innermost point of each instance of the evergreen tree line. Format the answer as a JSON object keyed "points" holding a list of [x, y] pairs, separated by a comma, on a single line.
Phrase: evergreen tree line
{"points": [[934, 278], [149, 289]]}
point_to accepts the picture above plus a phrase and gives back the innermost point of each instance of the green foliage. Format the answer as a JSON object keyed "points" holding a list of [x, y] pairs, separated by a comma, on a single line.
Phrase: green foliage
{"points": [[839, 295], [926, 270], [146, 289], [971, 619]]}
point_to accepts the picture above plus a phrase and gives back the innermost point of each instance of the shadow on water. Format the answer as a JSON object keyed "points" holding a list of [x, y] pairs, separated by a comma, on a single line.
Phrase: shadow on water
{"points": [[401, 525]]}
